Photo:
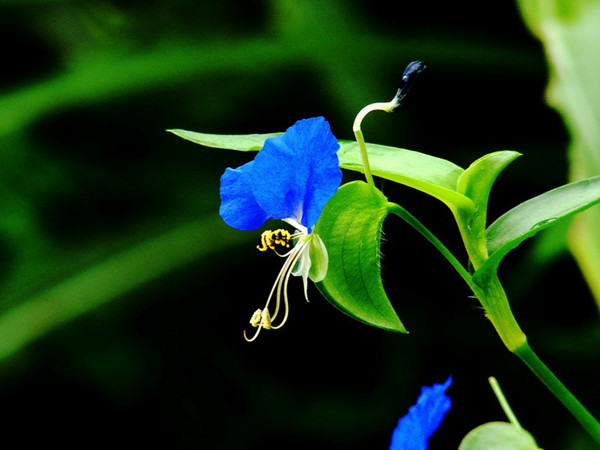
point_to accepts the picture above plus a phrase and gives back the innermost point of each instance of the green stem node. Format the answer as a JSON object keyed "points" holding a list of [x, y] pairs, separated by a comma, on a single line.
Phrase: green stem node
{"points": [[498, 311]]}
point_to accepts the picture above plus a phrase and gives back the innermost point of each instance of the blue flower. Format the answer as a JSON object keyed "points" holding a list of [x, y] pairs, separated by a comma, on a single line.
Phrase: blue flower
{"points": [[291, 178], [423, 419]]}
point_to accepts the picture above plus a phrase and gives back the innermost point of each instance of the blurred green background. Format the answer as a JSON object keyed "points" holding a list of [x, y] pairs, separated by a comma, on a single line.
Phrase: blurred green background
{"points": [[122, 294]]}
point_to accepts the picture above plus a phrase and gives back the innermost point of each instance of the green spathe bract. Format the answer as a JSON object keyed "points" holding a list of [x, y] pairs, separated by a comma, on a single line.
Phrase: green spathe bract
{"points": [[350, 226]]}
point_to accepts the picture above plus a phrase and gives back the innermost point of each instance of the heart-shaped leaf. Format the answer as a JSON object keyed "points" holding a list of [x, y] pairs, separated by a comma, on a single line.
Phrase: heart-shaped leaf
{"points": [[350, 226]]}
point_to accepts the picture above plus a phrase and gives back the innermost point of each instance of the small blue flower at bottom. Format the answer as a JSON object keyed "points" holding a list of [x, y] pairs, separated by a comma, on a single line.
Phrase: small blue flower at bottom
{"points": [[423, 419], [291, 178]]}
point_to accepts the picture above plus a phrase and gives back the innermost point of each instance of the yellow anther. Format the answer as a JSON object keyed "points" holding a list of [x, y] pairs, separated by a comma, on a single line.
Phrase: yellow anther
{"points": [[265, 319], [255, 319], [269, 239], [261, 318]]}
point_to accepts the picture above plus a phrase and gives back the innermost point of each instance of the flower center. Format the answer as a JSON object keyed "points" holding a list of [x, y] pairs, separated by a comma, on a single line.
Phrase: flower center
{"points": [[269, 239]]}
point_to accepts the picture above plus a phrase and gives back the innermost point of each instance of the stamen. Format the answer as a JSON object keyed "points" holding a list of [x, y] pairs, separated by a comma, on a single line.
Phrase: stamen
{"points": [[262, 318], [256, 317], [292, 260], [269, 239]]}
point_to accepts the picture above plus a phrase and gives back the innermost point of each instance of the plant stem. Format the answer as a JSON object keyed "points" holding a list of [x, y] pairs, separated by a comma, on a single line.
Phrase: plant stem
{"points": [[498, 311], [399, 211], [503, 402], [363, 154], [497, 308], [360, 140], [583, 416], [492, 296]]}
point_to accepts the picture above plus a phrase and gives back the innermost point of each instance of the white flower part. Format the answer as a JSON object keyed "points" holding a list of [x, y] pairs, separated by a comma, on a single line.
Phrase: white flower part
{"points": [[319, 259], [313, 262], [302, 267], [297, 225]]}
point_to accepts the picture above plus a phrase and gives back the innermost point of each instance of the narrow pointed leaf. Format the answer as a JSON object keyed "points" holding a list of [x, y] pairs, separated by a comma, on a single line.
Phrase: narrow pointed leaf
{"points": [[434, 176], [350, 227], [476, 183], [536, 214], [415, 165], [477, 180], [240, 142], [429, 174]]}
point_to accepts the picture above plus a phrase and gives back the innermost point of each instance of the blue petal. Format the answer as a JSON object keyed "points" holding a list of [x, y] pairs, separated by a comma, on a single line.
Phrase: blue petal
{"points": [[295, 174], [423, 419], [238, 206]]}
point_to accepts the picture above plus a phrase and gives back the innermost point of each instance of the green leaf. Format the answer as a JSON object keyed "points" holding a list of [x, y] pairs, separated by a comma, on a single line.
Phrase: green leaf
{"points": [[240, 142], [536, 214], [434, 176], [350, 227], [476, 183], [394, 162], [498, 436]]}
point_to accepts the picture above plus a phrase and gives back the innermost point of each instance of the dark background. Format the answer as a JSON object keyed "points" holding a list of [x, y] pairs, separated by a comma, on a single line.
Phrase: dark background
{"points": [[88, 172]]}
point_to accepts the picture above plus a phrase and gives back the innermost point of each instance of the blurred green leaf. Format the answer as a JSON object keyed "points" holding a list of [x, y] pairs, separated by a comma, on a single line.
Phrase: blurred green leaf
{"points": [[97, 75], [498, 436], [571, 36], [119, 274], [536, 214], [350, 226]]}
